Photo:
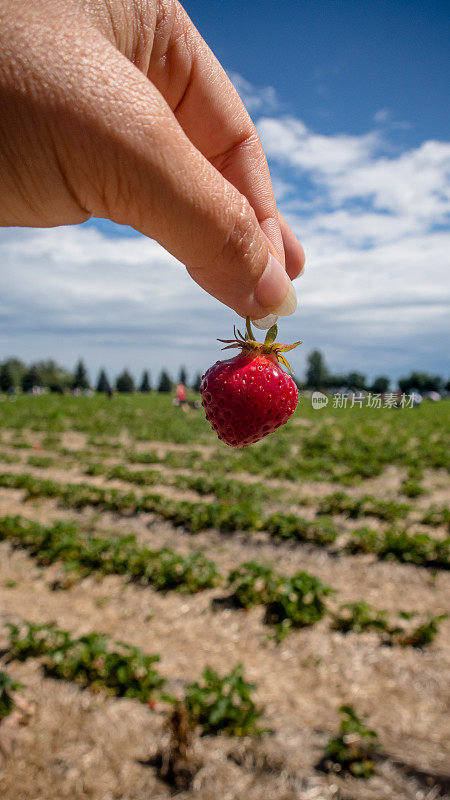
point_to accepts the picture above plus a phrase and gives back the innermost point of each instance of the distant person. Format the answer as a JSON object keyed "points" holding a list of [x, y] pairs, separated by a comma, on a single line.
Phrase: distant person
{"points": [[180, 399], [181, 393], [121, 111]]}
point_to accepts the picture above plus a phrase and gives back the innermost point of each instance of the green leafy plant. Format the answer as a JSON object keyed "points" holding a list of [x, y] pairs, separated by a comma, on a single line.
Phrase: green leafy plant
{"points": [[7, 688], [424, 633], [90, 660], [290, 602], [353, 749], [254, 584], [412, 488], [296, 602], [360, 617], [436, 516], [224, 704]]}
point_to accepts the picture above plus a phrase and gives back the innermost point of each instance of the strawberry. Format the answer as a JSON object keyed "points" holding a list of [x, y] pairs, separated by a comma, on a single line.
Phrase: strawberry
{"points": [[249, 396]]}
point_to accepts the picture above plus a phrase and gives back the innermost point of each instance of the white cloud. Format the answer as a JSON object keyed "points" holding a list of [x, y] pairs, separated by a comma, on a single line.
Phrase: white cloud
{"points": [[415, 183], [382, 115], [256, 99], [290, 142]]}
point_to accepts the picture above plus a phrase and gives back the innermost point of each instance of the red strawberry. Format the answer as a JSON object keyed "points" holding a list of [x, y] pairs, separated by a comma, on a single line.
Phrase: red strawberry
{"points": [[249, 396]]}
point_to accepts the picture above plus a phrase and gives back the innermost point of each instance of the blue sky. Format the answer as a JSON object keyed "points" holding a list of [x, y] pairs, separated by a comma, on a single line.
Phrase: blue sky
{"points": [[351, 102]]}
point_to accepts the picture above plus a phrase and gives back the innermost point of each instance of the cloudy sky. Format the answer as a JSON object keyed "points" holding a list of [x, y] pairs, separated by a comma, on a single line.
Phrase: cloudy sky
{"points": [[351, 104]]}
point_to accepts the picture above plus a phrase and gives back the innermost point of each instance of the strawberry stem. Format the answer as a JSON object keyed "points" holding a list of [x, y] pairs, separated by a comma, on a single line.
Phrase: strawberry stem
{"points": [[269, 347], [249, 335]]}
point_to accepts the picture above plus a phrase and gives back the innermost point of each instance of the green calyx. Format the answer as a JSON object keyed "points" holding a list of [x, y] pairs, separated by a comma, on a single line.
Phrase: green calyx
{"points": [[268, 348]]}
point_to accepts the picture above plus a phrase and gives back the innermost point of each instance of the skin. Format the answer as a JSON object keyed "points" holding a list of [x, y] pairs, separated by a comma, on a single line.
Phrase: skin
{"points": [[118, 109]]}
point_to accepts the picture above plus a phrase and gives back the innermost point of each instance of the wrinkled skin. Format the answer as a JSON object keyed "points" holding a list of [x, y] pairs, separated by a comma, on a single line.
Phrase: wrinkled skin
{"points": [[118, 109]]}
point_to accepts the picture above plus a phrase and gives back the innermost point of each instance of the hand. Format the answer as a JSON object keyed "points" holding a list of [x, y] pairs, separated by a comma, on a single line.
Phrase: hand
{"points": [[120, 110]]}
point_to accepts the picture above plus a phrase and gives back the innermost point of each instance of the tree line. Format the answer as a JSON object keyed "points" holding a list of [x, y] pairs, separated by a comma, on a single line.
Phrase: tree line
{"points": [[318, 376], [15, 375]]}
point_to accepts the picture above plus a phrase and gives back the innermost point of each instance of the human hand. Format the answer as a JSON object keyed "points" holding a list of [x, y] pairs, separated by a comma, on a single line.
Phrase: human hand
{"points": [[120, 110]]}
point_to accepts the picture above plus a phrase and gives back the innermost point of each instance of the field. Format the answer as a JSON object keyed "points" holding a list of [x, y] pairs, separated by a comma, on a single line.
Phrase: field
{"points": [[313, 566]]}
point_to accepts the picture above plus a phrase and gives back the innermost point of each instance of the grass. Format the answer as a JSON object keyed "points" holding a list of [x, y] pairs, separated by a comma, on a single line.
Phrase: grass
{"points": [[358, 444]]}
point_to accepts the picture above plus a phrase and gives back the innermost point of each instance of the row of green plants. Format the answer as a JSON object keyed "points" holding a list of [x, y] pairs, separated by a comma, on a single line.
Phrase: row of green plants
{"points": [[290, 602], [218, 704], [223, 488], [300, 601], [214, 705], [395, 544], [90, 660], [360, 617], [83, 554], [364, 506], [417, 548], [236, 491]]}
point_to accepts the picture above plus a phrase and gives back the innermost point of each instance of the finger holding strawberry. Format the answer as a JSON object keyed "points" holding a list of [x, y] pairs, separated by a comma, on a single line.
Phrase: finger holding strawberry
{"points": [[249, 396]]}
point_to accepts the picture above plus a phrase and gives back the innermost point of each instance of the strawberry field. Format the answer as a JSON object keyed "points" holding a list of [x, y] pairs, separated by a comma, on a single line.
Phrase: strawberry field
{"points": [[178, 617]]}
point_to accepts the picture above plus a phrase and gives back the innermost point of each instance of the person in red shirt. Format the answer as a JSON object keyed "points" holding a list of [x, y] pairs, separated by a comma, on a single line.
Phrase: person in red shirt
{"points": [[181, 393]]}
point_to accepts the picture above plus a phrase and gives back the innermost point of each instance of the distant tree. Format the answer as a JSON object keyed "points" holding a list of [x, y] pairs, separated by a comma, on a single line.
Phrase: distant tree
{"points": [[447, 386], [80, 378], [125, 382], [145, 385], [380, 385], [182, 376], [164, 384], [197, 382], [31, 377], [54, 377], [356, 380], [7, 381], [421, 381], [103, 384], [317, 375], [16, 369], [338, 380]]}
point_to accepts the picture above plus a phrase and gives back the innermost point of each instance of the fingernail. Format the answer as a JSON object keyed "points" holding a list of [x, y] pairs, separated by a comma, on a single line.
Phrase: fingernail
{"points": [[265, 322], [274, 291], [289, 304]]}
